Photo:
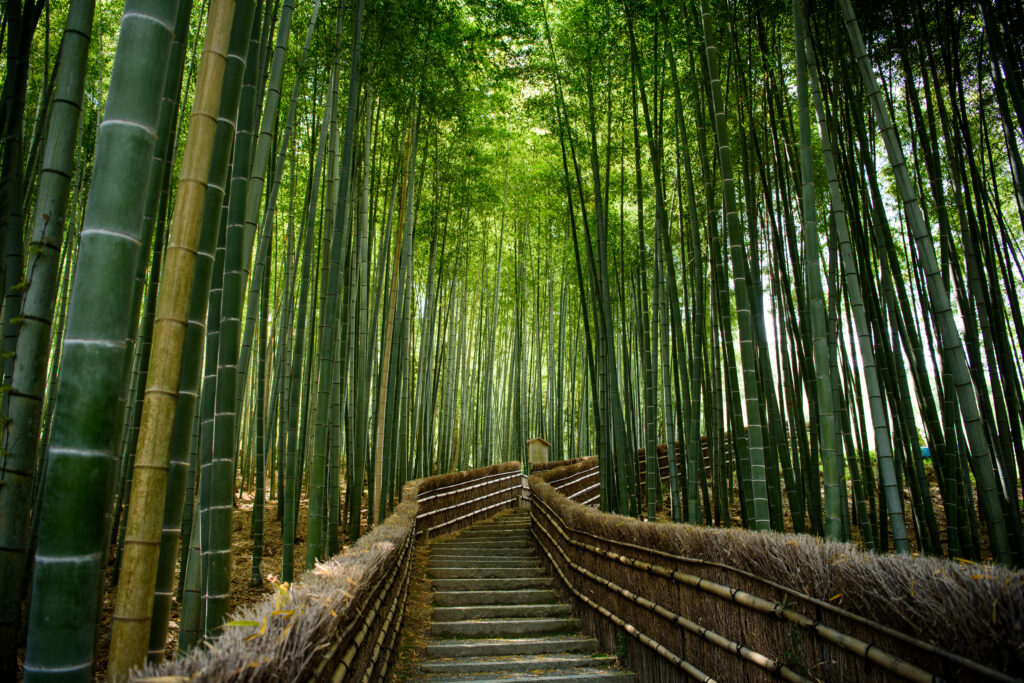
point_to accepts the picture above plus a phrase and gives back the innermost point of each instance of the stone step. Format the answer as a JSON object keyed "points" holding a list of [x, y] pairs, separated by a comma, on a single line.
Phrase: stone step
{"points": [[487, 549], [501, 541], [495, 552], [492, 584], [525, 555], [510, 545], [501, 647], [494, 534], [447, 561], [483, 628], [523, 518], [501, 521], [458, 598], [500, 611], [575, 675], [522, 529], [485, 572], [496, 537], [529, 559], [485, 553], [518, 664]]}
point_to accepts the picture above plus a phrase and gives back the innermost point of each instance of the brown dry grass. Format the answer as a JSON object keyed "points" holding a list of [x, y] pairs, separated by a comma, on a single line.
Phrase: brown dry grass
{"points": [[973, 610], [284, 637], [243, 593]]}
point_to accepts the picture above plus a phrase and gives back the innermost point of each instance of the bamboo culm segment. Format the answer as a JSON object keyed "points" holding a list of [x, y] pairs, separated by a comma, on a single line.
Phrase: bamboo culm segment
{"points": [[72, 529], [130, 631], [25, 399]]}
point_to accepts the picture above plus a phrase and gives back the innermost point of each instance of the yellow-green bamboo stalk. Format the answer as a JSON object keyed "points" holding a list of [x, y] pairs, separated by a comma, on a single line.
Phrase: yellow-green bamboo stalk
{"points": [[133, 610]]}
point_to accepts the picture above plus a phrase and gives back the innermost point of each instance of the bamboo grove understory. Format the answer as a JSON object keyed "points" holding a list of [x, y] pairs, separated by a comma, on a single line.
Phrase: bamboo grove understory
{"points": [[295, 254]]}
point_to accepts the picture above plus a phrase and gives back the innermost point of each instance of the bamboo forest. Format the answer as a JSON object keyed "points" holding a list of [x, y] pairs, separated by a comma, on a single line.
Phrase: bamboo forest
{"points": [[274, 268]]}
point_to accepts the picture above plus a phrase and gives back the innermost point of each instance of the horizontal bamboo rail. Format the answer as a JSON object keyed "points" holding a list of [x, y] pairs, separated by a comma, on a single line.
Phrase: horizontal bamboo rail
{"points": [[443, 491], [331, 626], [584, 560]]}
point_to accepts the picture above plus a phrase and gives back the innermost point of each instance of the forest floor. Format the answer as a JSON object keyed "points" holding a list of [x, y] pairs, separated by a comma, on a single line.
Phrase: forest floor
{"points": [[419, 610], [242, 592]]}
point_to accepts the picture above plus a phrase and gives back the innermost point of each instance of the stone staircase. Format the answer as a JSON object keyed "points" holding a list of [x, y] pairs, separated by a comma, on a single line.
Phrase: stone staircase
{"points": [[496, 617]]}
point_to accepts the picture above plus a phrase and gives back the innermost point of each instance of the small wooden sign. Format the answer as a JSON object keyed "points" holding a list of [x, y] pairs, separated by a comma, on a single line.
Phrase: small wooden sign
{"points": [[537, 450]]}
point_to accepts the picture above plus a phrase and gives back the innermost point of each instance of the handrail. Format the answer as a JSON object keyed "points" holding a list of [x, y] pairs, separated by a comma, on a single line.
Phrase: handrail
{"points": [[471, 514], [820, 605], [572, 496], [456, 506], [660, 649], [341, 622], [571, 479], [775, 609], [507, 481], [712, 637], [445, 490], [571, 559]]}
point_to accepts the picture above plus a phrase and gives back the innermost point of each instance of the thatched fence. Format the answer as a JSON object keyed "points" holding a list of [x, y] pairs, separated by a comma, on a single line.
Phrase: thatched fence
{"points": [[684, 601], [579, 481], [544, 466], [343, 620]]}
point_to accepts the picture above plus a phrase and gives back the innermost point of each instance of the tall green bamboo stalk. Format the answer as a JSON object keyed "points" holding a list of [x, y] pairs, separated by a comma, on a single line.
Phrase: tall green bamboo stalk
{"points": [[133, 609], [759, 515], [25, 402], [995, 507], [72, 529]]}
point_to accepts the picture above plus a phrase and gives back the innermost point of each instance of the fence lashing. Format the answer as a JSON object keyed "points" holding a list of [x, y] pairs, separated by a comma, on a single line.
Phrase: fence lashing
{"points": [[350, 654], [460, 487], [472, 513], [660, 649], [387, 632], [571, 479], [820, 605], [855, 646], [572, 496], [756, 658], [430, 513]]}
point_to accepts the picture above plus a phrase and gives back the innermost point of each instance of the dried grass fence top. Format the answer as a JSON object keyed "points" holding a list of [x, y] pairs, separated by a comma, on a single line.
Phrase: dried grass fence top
{"points": [[545, 466], [579, 481], [342, 620], [972, 611], [450, 502]]}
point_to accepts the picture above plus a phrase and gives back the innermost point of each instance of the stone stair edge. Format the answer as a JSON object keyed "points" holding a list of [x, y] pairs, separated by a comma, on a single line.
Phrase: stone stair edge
{"points": [[497, 618]]}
